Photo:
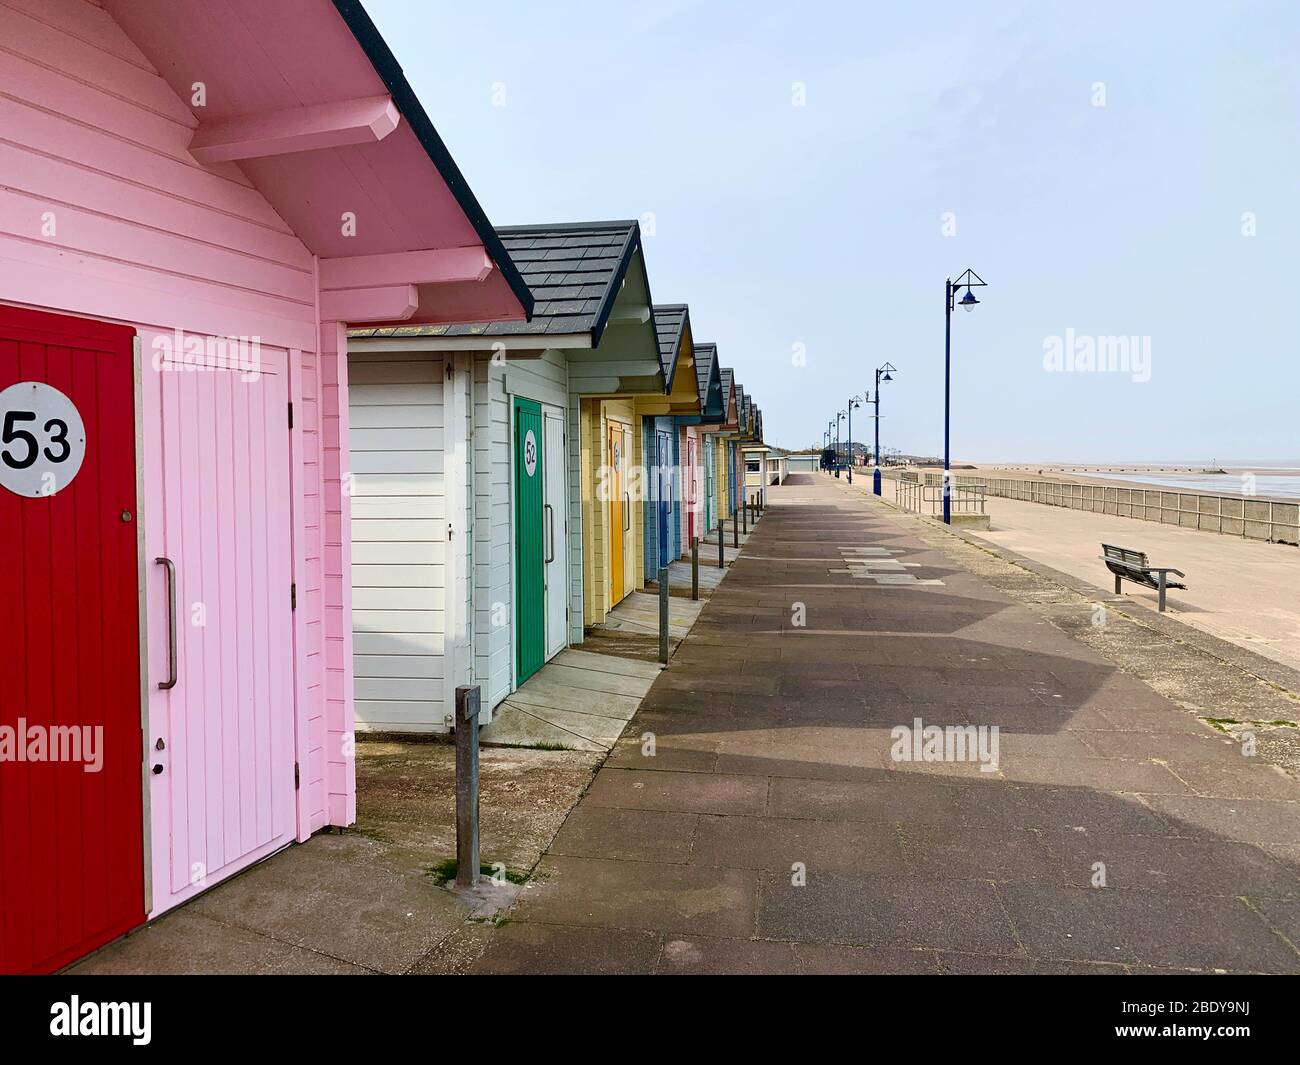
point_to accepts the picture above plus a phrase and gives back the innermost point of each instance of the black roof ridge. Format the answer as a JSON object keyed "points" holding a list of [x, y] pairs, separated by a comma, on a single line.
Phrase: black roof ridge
{"points": [[555, 227]]}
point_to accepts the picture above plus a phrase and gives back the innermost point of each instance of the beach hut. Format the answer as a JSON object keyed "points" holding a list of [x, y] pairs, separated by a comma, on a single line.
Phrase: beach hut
{"points": [[198, 197], [692, 431], [754, 454], [720, 436], [712, 414], [497, 496], [666, 476]]}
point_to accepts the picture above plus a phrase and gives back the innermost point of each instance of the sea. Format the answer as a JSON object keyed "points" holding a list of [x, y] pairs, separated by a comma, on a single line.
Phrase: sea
{"points": [[1275, 480]]}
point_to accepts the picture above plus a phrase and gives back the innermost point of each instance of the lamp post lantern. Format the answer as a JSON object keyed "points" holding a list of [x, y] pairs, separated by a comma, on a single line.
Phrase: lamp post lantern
{"points": [[970, 279]]}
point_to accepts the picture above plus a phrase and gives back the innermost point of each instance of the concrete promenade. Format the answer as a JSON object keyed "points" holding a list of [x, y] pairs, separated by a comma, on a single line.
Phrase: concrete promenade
{"points": [[754, 818]]}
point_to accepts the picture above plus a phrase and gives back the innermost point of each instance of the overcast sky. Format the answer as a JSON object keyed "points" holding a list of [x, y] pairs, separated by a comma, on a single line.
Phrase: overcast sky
{"points": [[1103, 166]]}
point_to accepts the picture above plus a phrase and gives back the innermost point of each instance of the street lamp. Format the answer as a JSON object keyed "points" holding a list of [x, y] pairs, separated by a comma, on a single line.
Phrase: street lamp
{"points": [[852, 403], [970, 279], [887, 370], [839, 417]]}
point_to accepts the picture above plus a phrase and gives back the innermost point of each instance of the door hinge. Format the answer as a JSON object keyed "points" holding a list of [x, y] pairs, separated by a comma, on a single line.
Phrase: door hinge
{"points": [[291, 414], [296, 779], [293, 596]]}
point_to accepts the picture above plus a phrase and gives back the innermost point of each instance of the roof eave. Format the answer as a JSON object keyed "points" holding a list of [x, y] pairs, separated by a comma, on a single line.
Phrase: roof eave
{"points": [[390, 71]]}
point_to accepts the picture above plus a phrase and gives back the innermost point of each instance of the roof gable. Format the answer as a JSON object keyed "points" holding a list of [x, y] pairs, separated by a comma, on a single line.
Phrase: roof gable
{"points": [[575, 272], [709, 379]]}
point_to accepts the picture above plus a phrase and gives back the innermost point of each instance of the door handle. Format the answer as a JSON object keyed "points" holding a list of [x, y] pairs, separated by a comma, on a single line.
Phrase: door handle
{"points": [[550, 528], [170, 682], [627, 511]]}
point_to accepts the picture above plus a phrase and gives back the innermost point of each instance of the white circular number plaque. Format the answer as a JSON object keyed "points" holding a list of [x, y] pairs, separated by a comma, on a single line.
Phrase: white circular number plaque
{"points": [[42, 439], [530, 453]]}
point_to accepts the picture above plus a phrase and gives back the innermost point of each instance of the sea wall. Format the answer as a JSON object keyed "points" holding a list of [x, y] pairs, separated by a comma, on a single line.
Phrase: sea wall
{"points": [[1252, 518]]}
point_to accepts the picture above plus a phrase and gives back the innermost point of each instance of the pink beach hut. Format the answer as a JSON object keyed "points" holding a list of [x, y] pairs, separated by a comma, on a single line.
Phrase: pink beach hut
{"points": [[197, 197]]}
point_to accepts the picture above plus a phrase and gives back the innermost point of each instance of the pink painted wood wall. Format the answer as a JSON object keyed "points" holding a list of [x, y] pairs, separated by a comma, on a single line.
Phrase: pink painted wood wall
{"points": [[104, 214]]}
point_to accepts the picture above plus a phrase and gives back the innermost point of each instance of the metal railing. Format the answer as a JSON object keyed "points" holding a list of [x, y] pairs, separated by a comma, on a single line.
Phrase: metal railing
{"points": [[920, 498], [1275, 521]]}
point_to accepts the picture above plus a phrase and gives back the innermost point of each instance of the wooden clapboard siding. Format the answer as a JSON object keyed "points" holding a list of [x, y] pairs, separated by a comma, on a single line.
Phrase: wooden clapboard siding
{"points": [[398, 537], [94, 141]]}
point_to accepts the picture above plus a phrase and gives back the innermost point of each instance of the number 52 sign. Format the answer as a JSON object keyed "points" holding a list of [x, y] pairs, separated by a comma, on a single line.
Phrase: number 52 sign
{"points": [[42, 439]]}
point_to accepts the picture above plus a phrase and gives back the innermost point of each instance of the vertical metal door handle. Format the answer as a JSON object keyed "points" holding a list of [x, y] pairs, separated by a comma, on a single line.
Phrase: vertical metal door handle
{"points": [[170, 682], [550, 527], [627, 511]]}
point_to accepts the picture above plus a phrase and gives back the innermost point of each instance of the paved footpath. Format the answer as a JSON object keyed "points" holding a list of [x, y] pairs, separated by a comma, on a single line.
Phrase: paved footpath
{"points": [[773, 830]]}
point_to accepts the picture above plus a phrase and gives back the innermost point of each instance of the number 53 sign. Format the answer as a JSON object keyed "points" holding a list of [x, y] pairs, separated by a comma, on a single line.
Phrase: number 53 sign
{"points": [[42, 439]]}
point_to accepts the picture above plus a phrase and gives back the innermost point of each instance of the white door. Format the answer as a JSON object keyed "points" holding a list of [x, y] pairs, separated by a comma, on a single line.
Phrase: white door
{"points": [[555, 469]]}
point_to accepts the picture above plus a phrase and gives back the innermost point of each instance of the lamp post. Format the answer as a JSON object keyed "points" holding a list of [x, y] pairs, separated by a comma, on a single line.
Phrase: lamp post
{"points": [[970, 279], [886, 370], [852, 403], [839, 418]]}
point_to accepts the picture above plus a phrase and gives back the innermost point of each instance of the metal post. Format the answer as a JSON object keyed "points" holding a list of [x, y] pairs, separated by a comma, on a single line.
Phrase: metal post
{"points": [[695, 568], [947, 390], [744, 513], [875, 476], [735, 530], [850, 441], [467, 853], [722, 556], [663, 615]]}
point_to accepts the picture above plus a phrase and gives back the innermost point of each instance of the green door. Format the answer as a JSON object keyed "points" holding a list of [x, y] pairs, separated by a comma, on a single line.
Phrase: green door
{"points": [[530, 547]]}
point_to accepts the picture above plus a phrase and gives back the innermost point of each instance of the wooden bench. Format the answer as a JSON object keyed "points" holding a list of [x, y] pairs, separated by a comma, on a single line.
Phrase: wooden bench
{"points": [[1129, 565]]}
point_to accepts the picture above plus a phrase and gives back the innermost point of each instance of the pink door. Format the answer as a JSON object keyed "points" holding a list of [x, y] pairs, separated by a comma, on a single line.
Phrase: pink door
{"points": [[221, 742], [692, 493]]}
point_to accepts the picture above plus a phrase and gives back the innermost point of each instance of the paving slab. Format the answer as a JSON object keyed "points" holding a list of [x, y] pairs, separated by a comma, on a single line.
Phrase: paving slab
{"points": [[578, 701]]}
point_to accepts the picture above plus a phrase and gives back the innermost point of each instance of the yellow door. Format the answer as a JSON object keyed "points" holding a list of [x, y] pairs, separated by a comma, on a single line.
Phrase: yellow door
{"points": [[616, 513]]}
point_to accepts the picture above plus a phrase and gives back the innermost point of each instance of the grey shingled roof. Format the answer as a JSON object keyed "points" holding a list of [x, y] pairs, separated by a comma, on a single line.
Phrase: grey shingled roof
{"points": [[573, 270], [706, 358], [670, 321], [728, 376]]}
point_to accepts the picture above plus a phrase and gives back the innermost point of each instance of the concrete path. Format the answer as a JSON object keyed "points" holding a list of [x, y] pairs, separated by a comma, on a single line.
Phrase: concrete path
{"points": [[757, 816], [578, 701], [1244, 591]]}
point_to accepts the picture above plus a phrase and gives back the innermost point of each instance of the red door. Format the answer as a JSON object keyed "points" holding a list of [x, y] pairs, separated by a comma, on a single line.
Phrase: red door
{"points": [[71, 812]]}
